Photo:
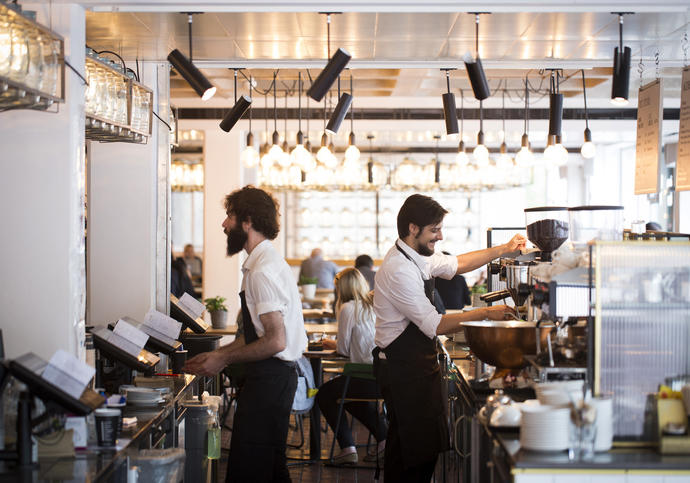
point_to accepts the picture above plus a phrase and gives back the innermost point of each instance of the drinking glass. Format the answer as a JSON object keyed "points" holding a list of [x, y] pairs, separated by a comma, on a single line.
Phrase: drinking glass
{"points": [[5, 45], [583, 431]]}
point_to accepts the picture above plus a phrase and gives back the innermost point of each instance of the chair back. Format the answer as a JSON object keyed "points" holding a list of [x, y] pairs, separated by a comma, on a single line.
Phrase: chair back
{"points": [[359, 370]]}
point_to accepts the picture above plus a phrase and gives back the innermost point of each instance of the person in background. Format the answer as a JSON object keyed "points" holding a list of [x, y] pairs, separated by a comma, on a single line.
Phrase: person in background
{"points": [[454, 293], [274, 338], [355, 316], [180, 280], [323, 270], [193, 261], [407, 323], [365, 265]]}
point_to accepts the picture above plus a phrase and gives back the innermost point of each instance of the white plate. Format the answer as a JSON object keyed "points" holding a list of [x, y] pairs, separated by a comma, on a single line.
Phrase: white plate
{"points": [[146, 404]]}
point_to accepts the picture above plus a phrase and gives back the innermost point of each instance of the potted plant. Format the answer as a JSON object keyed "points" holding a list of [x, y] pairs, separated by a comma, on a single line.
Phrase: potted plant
{"points": [[218, 310], [478, 290], [308, 286]]}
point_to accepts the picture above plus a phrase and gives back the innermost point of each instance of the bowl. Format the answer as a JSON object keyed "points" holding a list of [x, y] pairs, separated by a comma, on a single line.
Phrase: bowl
{"points": [[504, 344], [506, 415]]}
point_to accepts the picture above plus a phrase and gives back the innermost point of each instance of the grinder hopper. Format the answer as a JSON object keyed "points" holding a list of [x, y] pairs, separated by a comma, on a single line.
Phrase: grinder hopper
{"points": [[547, 228]]}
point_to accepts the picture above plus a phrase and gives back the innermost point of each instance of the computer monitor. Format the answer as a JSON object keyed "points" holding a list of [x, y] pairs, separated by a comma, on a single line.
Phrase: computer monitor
{"points": [[156, 342], [29, 369], [120, 349], [180, 313]]}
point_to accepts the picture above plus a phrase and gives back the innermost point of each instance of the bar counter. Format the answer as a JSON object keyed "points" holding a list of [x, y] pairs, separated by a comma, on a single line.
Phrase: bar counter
{"points": [[489, 454], [155, 428]]}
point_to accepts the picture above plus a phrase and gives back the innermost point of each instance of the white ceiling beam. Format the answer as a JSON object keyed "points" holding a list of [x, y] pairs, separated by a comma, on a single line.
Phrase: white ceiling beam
{"points": [[381, 6]]}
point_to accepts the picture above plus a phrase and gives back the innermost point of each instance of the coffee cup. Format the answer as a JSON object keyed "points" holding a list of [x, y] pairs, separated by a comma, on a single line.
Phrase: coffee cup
{"points": [[178, 360], [107, 423]]}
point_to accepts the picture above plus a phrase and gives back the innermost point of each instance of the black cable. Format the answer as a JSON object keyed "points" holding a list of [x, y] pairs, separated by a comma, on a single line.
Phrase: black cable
{"points": [[124, 66], [136, 76], [352, 107], [137, 64], [235, 91], [275, 110], [584, 94], [161, 120], [250, 106], [76, 72], [189, 30], [299, 102]]}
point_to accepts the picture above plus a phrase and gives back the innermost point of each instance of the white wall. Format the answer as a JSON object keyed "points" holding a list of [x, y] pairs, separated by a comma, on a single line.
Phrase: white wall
{"points": [[123, 221], [42, 198]]}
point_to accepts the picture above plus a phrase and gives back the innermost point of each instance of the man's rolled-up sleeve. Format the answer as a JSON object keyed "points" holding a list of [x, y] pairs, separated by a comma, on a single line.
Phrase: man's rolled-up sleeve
{"points": [[406, 292], [443, 266], [265, 294]]}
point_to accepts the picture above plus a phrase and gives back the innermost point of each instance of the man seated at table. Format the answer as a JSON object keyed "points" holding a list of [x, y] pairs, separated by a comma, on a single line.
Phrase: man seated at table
{"points": [[316, 267]]}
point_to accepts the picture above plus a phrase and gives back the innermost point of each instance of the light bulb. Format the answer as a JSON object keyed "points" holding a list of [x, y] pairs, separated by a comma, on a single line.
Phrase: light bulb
{"points": [[619, 101], [302, 158], [588, 150], [481, 155], [524, 157], [322, 155], [352, 153], [461, 159], [551, 153], [283, 159], [249, 157]]}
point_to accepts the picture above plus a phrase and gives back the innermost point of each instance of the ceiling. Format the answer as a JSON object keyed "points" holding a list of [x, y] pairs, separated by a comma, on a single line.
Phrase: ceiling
{"points": [[401, 54]]}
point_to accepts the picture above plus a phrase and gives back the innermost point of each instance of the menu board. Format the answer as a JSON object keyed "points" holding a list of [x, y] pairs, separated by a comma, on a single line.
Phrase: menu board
{"points": [[649, 115], [683, 161]]}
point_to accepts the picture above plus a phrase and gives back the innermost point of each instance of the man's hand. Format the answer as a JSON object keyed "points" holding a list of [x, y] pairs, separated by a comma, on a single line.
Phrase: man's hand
{"points": [[329, 344], [515, 243], [205, 364], [500, 312]]}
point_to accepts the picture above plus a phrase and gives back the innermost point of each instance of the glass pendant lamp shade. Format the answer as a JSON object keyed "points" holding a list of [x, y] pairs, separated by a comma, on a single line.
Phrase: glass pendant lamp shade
{"points": [[250, 156], [524, 156], [461, 159], [588, 149], [480, 152], [352, 153], [504, 160]]}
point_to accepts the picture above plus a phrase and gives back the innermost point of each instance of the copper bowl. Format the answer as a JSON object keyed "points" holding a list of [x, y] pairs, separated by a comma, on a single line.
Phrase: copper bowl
{"points": [[504, 344]]}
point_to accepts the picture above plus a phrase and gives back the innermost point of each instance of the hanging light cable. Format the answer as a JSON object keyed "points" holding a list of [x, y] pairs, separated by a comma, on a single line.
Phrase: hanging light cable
{"points": [[461, 159], [284, 157], [475, 71], [237, 110], [266, 160], [300, 156], [275, 150], [249, 156], [524, 157], [588, 149], [504, 160], [333, 68], [352, 153], [480, 152], [324, 155]]}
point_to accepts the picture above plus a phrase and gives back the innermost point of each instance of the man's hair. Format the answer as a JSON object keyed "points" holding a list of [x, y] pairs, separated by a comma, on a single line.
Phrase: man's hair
{"points": [[250, 203], [420, 210], [364, 261]]}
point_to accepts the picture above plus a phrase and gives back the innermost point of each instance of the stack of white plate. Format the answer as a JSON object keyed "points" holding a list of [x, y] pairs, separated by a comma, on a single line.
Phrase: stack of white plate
{"points": [[545, 428], [143, 396], [558, 393]]}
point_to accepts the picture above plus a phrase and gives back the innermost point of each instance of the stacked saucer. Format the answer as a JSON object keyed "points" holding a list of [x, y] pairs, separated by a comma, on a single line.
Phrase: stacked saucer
{"points": [[545, 428], [143, 396]]}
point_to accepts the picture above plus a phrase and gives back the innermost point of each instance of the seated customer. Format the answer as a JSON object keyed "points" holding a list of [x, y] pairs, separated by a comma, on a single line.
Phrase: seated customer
{"points": [[365, 265], [316, 267], [355, 315]]}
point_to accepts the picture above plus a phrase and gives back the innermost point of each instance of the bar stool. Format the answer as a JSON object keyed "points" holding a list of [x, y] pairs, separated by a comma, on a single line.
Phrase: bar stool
{"points": [[357, 371]]}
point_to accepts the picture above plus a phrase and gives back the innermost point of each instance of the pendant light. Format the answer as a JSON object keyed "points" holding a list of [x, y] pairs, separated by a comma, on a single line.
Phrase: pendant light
{"points": [[300, 156], [324, 155], [450, 112], [284, 156], [189, 71], [333, 68], [475, 71], [339, 112], [461, 159], [266, 161], [588, 149], [275, 151], [524, 157], [237, 110], [555, 104], [352, 153], [480, 152], [249, 156], [621, 69], [504, 160]]}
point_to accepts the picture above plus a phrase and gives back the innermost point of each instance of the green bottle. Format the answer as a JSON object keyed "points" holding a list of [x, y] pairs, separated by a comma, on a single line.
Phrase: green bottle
{"points": [[213, 436]]}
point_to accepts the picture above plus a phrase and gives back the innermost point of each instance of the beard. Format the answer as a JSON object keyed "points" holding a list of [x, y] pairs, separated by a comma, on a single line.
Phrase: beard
{"points": [[423, 250], [236, 239]]}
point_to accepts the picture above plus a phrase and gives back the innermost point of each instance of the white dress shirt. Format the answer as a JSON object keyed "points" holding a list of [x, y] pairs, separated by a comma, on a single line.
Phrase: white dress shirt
{"points": [[399, 296], [356, 332], [269, 286]]}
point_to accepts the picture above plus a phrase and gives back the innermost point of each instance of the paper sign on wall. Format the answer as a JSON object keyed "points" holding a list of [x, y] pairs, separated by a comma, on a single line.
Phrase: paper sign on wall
{"points": [[649, 116], [683, 161]]}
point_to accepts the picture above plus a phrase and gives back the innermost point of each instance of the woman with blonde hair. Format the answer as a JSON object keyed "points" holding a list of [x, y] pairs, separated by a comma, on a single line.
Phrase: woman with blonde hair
{"points": [[355, 316]]}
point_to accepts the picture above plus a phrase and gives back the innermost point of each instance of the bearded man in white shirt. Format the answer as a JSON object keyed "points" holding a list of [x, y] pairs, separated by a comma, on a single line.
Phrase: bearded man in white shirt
{"points": [[274, 338], [407, 324]]}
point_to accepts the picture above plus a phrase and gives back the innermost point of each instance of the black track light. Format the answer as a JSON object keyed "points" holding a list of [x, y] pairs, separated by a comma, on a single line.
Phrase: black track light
{"points": [[555, 104], [235, 113], [328, 75], [475, 71], [339, 113], [450, 112], [192, 75], [621, 69]]}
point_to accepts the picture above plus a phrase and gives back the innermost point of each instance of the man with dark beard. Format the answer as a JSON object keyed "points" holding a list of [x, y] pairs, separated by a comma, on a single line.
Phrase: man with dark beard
{"points": [[407, 323], [273, 339]]}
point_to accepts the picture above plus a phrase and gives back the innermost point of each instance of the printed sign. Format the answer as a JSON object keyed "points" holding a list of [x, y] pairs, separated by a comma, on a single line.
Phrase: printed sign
{"points": [[649, 116]]}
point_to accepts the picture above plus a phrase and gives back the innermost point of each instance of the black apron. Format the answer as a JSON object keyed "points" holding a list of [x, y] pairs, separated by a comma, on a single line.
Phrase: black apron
{"points": [[412, 376], [260, 426]]}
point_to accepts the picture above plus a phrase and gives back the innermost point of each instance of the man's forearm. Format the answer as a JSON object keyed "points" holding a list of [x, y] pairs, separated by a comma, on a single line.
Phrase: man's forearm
{"points": [[472, 260], [450, 323], [260, 349]]}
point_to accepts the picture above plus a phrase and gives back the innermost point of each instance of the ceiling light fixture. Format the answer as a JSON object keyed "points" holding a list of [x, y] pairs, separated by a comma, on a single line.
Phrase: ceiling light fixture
{"points": [[340, 111], [275, 151], [504, 160], [588, 149], [188, 70], [437, 160], [352, 153], [266, 161], [300, 156], [237, 110], [250, 156], [284, 157], [461, 159], [480, 153], [555, 103], [330, 73], [450, 112], [475, 71], [621, 68], [324, 155], [524, 157]]}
